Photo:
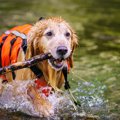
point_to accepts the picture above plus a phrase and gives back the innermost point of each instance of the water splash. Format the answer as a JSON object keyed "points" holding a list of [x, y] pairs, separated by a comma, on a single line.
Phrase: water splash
{"points": [[91, 95], [15, 97]]}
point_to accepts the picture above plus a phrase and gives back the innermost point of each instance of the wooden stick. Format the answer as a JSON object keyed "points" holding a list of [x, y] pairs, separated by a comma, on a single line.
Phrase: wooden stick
{"points": [[25, 64]]}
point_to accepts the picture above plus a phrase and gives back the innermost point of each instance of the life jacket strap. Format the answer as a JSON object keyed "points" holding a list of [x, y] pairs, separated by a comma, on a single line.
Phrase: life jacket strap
{"points": [[24, 45], [65, 72], [1, 44], [36, 71]]}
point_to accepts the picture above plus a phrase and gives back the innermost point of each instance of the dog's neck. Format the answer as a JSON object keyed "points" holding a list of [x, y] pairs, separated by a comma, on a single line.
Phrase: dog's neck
{"points": [[53, 77]]}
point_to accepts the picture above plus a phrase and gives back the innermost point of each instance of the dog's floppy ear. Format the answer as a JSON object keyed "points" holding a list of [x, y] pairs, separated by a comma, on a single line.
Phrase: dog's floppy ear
{"points": [[34, 34], [73, 45], [30, 45], [74, 41], [30, 50]]}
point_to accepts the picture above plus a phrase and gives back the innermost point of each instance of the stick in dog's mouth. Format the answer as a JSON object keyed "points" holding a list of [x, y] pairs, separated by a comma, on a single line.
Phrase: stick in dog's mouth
{"points": [[55, 63]]}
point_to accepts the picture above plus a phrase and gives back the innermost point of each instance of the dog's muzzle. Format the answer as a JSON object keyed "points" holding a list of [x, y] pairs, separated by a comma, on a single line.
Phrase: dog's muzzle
{"points": [[58, 63]]}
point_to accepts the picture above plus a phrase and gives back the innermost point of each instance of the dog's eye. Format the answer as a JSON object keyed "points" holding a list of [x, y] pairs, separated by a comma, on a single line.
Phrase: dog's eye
{"points": [[67, 34], [50, 33]]}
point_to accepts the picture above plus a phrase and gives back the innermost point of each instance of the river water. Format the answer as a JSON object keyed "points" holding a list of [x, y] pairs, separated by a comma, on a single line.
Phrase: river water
{"points": [[95, 78]]}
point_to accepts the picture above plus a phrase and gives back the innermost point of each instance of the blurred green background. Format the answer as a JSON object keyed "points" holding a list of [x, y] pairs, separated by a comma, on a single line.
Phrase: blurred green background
{"points": [[95, 78]]}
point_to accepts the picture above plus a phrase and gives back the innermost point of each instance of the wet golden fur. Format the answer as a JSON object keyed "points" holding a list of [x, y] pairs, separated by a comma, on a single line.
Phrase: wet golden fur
{"points": [[55, 78]]}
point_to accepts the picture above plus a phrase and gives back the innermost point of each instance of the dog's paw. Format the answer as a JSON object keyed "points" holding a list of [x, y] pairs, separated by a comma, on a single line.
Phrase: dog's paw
{"points": [[40, 103], [1, 87]]}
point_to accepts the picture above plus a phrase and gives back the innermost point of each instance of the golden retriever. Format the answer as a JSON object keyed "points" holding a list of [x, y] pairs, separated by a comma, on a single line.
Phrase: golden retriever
{"points": [[53, 35]]}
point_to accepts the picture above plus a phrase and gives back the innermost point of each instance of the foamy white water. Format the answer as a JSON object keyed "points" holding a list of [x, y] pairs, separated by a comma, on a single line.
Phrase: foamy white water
{"points": [[15, 97]]}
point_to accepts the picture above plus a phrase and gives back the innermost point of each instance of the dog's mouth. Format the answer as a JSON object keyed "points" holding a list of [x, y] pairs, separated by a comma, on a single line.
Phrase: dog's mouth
{"points": [[56, 63]]}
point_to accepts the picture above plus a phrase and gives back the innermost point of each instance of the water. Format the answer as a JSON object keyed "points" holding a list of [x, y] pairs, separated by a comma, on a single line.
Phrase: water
{"points": [[95, 77], [15, 98]]}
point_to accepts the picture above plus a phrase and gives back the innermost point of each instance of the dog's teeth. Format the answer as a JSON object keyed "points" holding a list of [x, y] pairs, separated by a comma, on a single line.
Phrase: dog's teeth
{"points": [[54, 62]]}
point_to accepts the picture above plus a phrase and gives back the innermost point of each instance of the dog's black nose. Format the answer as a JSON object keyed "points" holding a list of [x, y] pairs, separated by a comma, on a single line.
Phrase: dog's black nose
{"points": [[62, 50]]}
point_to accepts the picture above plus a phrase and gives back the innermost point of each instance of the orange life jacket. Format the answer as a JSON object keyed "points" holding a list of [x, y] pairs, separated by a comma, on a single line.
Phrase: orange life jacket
{"points": [[11, 42]]}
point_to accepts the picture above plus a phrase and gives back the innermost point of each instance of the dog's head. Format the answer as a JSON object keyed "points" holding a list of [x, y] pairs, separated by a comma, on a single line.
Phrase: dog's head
{"points": [[53, 35]]}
